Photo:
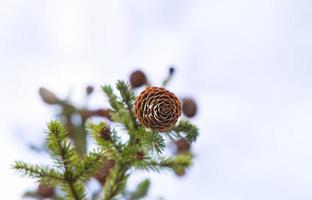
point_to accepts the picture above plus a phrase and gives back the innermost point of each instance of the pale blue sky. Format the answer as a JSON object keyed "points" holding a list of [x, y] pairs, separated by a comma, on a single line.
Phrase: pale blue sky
{"points": [[247, 62]]}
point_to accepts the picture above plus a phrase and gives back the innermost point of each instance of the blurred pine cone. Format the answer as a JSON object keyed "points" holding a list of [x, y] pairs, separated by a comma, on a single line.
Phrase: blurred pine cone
{"points": [[105, 133], [47, 96], [183, 146], [102, 174], [137, 79], [89, 90], [157, 108], [45, 190], [189, 107]]}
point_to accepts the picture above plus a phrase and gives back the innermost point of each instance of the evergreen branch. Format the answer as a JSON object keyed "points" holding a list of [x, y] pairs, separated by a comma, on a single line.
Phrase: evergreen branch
{"points": [[116, 181], [66, 157], [60, 147], [150, 140], [141, 190], [91, 163], [181, 161], [73, 190], [128, 98], [186, 127], [108, 142], [142, 151], [42, 172], [119, 112], [115, 104]]}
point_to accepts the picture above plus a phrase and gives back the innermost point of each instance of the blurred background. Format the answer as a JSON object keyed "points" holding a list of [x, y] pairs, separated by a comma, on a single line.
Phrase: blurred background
{"points": [[246, 62]]}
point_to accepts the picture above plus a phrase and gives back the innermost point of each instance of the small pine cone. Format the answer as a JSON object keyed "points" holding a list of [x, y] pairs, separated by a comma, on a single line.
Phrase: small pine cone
{"points": [[47, 96], [171, 70], [105, 133], [139, 155], [183, 146], [157, 108], [189, 107], [45, 190], [102, 174], [137, 79], [89, 90]]}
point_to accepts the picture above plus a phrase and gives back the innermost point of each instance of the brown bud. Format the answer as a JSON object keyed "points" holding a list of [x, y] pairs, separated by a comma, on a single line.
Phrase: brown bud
{"points": [[89, 90], [105, 133], [45, 190], [171, 70], [157, 108], [47, 96], [189, 107], [139, 155], [102, 174], [137, 79], [183, 146]]}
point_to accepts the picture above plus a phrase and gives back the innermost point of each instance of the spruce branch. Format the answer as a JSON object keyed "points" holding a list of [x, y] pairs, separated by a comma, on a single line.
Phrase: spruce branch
{"points": [[106, 138], [141, 190], [40, 172], [150, 141], [181, 161], [115, 104], [118, 110], [186, 128], [144, 149], [90, 164], [128, 98], [116, 181], [65, 156]]}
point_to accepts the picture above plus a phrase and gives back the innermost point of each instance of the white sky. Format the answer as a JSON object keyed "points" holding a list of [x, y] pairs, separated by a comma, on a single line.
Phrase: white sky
{"points": [[247, 62]]}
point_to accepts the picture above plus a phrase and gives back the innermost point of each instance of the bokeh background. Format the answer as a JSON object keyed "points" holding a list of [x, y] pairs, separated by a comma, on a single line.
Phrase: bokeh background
{"points": [[246, 62]]}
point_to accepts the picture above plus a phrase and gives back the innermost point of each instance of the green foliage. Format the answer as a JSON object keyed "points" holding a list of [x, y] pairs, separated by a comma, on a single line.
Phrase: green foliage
{"points": [[181, 161], [185, 129], [70, 171], [44, 173], [141, 190], [110, 145], [150, 141], [142, 151], [119, 110]]}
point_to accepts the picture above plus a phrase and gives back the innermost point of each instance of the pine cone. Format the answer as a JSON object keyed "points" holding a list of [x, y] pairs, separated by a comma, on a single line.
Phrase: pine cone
{"points": [[137, 79], [157, 108], [189, 107], [105, 133], [47, 96], [45, 190], [101, 175], [183, 146], [89, 90]]}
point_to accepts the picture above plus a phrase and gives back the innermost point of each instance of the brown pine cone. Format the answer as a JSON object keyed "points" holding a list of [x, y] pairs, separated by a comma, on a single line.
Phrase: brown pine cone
{"points": [[139, 155], [89, 90], [102, 174], [183, 146], [47, 96], [157, 108], [137, 79], [45, 190], [189, 107], [105, 133]]}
